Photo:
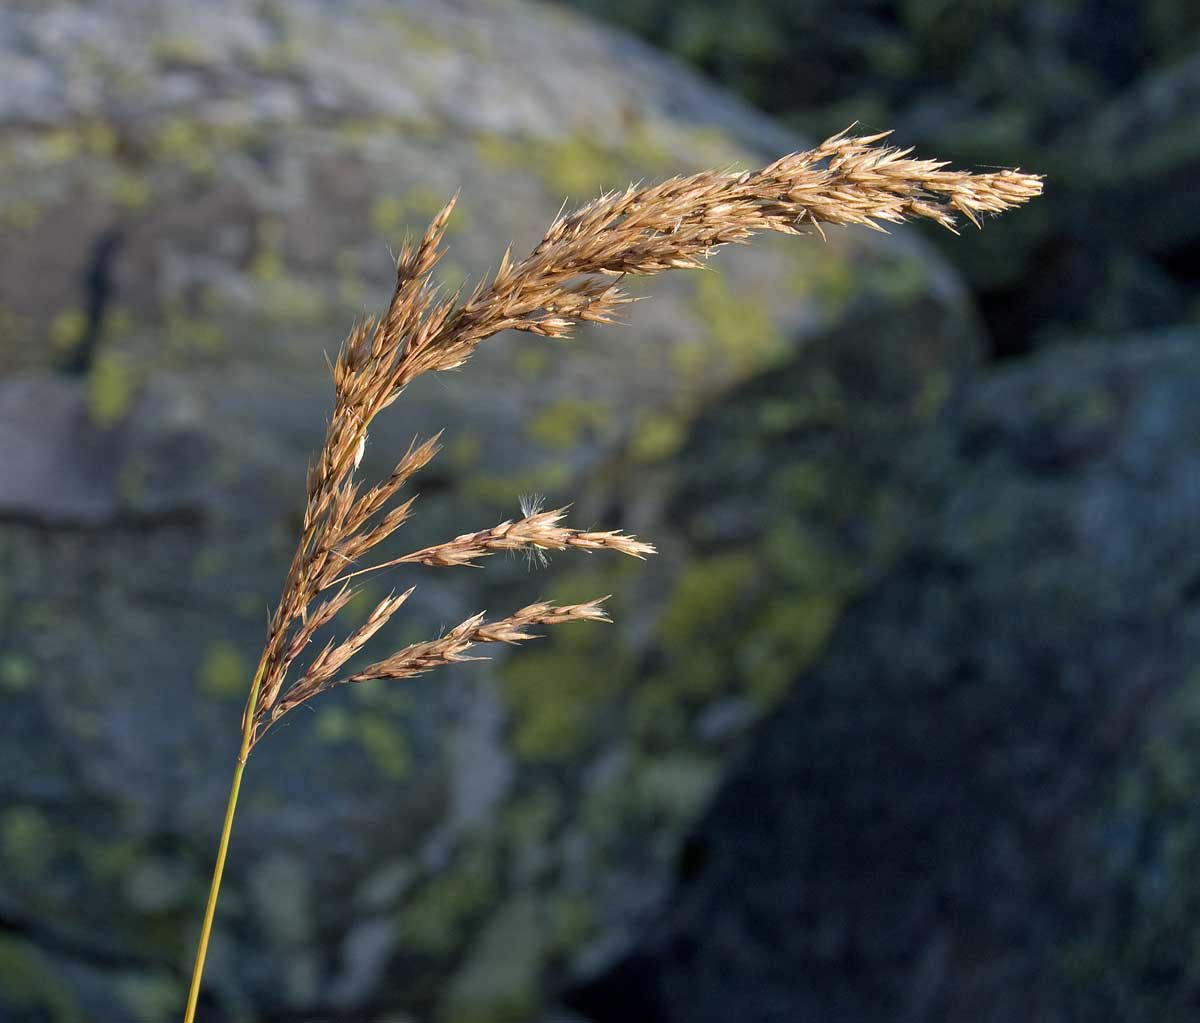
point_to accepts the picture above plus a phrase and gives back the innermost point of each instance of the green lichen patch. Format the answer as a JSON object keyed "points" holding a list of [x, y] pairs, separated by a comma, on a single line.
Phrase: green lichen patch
{"points": [[804, 483], [559, 692], [531, 362], [179, 51], [184, 332], [285, 297], [374, 721], [644, 147], [932, 395], [151, 994], [387, 744], [129, 190], [334, 725], [499, 152], [464, 451], [112, 385], [59, 145], [182, 141], [572, 920], [741, 326], [502, 491], [67, 329], [741, 622], [435, 918], [528, 821], [654, 797], [366, 598], [704, 594], [787, 636], [17, 672], [27, 841], [29, 986], [351, 286], [498, 983], [20, 216], [826, 279], [656, 437], [412, 34], [899, 279], [564, 423], [575, 166], [556, 696], [224, 673], [394, 215]]}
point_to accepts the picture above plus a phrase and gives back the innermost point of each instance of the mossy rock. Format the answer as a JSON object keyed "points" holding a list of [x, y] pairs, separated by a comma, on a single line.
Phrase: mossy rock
{"points": [[185, 230]]}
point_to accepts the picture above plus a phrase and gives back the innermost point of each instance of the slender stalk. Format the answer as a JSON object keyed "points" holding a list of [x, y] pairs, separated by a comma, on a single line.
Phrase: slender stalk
{"points": [[214, 889]]}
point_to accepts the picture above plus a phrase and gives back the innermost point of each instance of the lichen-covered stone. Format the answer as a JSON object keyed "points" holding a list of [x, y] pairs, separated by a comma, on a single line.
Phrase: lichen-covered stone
{"points": [[196, 201]]}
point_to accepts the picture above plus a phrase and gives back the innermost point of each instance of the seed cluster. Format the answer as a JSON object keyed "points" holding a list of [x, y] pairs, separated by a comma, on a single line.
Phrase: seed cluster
{"points": [[573, 275]]}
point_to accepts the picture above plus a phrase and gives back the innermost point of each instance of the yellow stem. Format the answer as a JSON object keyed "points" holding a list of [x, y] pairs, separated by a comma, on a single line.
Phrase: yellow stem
{"points": [[219, 869]]}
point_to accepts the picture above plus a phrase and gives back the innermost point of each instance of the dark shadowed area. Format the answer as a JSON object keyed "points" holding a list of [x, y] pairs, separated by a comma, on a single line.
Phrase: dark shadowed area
{"points": [[901, 723]]}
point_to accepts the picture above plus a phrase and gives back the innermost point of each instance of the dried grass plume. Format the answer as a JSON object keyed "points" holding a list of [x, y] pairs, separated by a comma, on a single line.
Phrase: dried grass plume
{"points": [[573, 275]]}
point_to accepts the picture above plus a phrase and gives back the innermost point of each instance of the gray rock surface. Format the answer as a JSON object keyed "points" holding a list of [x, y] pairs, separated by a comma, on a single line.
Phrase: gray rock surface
{"points": [[195, 201]]}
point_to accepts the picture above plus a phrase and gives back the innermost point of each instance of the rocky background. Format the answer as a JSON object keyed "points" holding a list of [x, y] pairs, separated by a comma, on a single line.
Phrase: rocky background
{"points": [[901, 723]]}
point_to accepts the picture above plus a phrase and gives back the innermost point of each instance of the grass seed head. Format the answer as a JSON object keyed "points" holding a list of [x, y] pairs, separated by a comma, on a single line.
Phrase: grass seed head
{"points": [[571, 276]]}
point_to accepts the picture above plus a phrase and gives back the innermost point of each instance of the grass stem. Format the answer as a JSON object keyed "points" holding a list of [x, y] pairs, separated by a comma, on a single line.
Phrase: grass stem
{"points": [[214, 889]]}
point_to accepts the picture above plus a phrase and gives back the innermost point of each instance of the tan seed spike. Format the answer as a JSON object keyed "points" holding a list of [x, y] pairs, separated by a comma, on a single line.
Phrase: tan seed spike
{"points": [[566, 279]]}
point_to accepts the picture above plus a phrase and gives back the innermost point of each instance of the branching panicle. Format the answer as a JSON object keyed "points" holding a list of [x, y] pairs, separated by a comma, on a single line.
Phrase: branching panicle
{"points": [[571, 276]]}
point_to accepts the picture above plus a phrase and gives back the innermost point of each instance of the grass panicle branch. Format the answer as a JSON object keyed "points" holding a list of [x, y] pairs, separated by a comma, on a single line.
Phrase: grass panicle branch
{"points": [[539, 530], [572, 276]]}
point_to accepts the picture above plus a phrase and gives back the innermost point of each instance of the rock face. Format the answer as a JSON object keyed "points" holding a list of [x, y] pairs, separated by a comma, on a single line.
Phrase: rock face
{"points": [[979, 803], [195, 201]]}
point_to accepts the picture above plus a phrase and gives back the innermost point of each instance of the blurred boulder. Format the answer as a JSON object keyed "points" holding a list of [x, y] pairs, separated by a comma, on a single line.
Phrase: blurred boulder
{"points": [[196, 200], [979, 803]]}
